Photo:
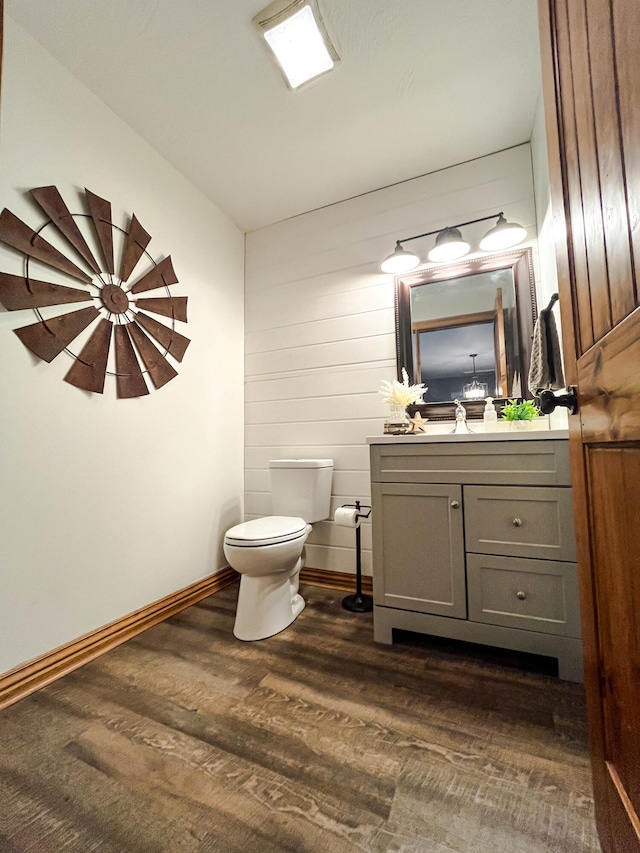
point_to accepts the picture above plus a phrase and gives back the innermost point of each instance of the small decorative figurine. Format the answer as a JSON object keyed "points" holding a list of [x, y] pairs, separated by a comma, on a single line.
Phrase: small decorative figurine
{"points": [[417, 424], [461, 427]]}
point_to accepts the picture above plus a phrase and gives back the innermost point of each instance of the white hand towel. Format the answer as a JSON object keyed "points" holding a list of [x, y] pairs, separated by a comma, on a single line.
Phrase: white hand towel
{"points": [[545, 370]]}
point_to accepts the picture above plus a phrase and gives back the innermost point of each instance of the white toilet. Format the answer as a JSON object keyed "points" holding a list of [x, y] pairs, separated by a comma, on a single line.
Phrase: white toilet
{"points": [[269, 552]]}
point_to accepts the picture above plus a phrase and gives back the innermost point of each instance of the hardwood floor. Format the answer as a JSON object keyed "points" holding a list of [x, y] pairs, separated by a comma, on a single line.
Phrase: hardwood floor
{"points": [[314, 741]]}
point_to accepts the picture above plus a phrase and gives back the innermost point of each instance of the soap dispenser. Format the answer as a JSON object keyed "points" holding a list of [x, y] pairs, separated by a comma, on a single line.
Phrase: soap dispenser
{"points": [[490, 416]]}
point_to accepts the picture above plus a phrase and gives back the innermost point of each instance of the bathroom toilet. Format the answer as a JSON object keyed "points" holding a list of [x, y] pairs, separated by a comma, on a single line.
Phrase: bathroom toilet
{"points": [[268, 552]]}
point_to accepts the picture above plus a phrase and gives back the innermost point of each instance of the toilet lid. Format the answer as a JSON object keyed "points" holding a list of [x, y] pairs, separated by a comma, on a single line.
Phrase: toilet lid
{"points": [[266, 531]]}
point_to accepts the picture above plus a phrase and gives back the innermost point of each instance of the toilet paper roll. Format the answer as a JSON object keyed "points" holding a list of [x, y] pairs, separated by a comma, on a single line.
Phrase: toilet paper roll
{"points": [[346, 516]]}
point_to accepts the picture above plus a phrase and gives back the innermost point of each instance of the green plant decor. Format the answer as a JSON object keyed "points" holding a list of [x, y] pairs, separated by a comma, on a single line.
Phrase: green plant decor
{"points": [[524, 411]]}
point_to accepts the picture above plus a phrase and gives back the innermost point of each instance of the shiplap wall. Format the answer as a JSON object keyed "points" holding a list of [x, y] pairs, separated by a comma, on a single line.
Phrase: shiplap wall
{"points": [[319, 326]]}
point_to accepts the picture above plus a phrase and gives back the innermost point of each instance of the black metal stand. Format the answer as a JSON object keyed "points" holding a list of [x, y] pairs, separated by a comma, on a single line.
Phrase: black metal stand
{"points": [[358, 603]]}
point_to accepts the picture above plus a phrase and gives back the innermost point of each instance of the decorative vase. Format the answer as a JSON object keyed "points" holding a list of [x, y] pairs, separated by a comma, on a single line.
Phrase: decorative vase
{"points": [[397, 422], [521, 424]]}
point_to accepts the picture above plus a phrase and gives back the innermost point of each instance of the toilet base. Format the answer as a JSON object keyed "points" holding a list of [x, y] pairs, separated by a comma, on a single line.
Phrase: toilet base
{"points": [[267, 604]]}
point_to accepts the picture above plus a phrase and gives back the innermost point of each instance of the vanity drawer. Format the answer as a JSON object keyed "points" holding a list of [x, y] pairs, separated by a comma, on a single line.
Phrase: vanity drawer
{"points": [[535, 462], [520, 522], [535, 595]]}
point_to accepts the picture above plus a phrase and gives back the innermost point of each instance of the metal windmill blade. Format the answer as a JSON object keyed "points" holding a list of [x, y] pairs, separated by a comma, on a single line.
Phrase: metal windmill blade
{"points": [[129, 379], [168, 306], [89, 370], [48, 338], [18, 292], [159, 369], [14, 232], [161, 275]]}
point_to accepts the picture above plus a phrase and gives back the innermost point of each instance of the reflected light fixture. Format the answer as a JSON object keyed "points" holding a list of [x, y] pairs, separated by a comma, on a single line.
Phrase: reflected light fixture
{"points": [[450, 244], [475, 390], [294, 31]]}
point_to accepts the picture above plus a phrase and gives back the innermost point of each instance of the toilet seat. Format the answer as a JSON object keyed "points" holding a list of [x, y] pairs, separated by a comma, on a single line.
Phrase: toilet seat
{"points": [[266, 531]]}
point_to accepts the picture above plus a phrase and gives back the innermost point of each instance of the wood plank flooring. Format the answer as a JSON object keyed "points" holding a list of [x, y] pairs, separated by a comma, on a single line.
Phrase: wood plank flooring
{"points": [[315, 741]]}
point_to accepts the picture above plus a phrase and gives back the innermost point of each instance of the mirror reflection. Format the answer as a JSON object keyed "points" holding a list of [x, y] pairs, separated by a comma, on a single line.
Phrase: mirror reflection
{"points": [[471, 354], [464, 329]]}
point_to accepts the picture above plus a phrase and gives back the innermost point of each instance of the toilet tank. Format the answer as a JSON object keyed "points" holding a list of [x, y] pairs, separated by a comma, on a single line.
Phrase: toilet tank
{"points": [[301, 487]]}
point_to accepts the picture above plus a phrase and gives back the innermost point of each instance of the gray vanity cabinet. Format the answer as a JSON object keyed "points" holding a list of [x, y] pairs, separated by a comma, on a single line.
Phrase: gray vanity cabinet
{"points": [[475, 541]]}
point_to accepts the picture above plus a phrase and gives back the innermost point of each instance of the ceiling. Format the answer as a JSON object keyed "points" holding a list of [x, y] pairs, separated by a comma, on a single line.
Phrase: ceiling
{"points": [[422, 84]]}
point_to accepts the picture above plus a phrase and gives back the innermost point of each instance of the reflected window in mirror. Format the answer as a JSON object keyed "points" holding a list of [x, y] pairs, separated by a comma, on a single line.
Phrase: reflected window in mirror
{"points": [[467, 321]]}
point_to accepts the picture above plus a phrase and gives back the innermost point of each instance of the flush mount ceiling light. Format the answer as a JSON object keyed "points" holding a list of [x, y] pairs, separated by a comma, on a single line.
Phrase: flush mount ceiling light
{"points": [[295, 32], [450, 244]]}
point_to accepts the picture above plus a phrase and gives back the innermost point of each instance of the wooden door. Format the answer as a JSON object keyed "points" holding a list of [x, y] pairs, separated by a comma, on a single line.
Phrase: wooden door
{"points": [[591, 68]]}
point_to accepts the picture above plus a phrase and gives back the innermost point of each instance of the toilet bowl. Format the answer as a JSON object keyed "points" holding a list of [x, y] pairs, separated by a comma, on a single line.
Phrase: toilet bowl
{"points": [[268, 553]]}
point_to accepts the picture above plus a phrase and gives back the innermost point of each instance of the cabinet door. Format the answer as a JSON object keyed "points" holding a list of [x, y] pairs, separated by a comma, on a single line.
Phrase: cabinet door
{"points": [[418, 548]]}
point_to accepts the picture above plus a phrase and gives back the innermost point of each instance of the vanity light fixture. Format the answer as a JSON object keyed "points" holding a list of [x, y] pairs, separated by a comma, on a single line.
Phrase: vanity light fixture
{"points": [[450, 245], [475, 390], [295, 32]]}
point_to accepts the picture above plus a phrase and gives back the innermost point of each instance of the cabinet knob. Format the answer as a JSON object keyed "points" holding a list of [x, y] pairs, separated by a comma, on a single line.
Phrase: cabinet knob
{"points": [[517, 522], [521, 595], [455, 504]]}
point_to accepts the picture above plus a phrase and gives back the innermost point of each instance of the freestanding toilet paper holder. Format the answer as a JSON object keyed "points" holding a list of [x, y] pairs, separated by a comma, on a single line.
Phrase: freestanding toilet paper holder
{"points": [[358, 603]]}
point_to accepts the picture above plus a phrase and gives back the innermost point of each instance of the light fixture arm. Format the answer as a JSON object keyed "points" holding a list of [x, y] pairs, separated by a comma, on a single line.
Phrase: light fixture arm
{"points": [[438, 230]]}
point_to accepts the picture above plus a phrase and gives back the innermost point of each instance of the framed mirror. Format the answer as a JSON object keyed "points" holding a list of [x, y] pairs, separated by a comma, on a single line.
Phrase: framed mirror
{"points": [[465, 329]]}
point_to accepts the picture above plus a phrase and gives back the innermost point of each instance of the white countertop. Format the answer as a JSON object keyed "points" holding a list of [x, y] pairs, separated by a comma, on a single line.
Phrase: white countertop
{"points": [[511, 435]]}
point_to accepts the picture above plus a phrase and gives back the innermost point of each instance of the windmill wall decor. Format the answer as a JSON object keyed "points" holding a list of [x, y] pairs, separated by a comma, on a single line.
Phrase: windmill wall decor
{"points": [[117, 310]]}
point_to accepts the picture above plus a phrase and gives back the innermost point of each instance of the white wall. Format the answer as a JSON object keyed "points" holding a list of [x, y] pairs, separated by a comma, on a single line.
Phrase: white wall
{"points": [[320, 325], [107, 505]]}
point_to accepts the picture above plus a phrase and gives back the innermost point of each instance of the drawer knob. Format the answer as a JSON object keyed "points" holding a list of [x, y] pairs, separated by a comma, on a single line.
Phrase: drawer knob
{"points": [[517, 522], [455, 504], [521, 595]]}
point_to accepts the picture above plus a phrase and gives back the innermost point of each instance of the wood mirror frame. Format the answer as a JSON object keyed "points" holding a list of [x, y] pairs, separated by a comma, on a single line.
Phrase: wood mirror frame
{"points": [[521, 264]]}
